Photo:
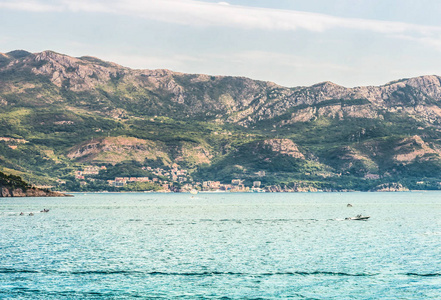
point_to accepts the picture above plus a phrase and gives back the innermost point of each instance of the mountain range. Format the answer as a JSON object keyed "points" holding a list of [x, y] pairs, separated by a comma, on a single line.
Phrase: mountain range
{"points": [[59, 114]]}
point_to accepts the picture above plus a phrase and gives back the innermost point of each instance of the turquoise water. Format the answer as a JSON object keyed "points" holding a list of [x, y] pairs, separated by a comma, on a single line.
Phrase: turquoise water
{"points": [[222, 246]]}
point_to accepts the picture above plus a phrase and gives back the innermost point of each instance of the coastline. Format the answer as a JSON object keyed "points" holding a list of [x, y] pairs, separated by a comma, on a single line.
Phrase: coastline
{"points": [[29, 192]]}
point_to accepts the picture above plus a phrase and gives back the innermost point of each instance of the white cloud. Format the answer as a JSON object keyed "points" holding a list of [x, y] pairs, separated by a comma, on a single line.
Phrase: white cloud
{"points": [[32, 6], [198, 13]]}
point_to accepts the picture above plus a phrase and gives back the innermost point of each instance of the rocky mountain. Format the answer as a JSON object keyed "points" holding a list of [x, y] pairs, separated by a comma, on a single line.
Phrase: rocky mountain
{"points": [[59, 113]]}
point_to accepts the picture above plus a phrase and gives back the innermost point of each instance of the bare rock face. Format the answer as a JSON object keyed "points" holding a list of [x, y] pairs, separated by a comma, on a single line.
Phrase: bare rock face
{"points": [[226, 99], [429, 85], [78, 74], [414, 96], [18, 193], [284, 146], [412, 148], [30, 192], [5, 192]]}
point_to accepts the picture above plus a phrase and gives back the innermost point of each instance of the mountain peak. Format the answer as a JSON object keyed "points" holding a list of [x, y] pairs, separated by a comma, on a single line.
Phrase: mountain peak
{"points": [[97, 61], [51, 55], [17, 54], [78, 73], [327, 85], [424, 80]]}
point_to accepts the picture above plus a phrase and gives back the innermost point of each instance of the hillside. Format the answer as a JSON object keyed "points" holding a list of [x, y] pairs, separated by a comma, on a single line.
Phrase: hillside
{"points": [[14, 186], [60, 115]]}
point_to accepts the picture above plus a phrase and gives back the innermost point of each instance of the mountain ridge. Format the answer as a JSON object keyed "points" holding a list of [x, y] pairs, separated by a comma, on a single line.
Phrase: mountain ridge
{"points": [[73, 106]]}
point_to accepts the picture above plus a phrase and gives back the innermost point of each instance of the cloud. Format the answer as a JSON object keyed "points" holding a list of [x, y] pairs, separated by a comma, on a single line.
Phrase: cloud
{"points": [[198, 13], [31, 6]]}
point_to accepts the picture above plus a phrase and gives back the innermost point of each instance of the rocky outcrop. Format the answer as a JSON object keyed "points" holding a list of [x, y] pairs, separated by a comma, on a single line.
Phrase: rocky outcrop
{"points": [[28, 192], [409, 149], [14, 186], [390, 187], [76, 74], [284, 146]]}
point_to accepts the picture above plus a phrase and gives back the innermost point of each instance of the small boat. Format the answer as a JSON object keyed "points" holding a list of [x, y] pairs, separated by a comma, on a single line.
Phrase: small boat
{"points": [[358, 218], [349, 205]]}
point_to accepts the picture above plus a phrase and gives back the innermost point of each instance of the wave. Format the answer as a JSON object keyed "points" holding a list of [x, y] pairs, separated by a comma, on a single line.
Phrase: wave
{"points": [[7, 270], [210, 273], [262, 220], [424, 275], [69, 294], [204, 273], [104, 272]]}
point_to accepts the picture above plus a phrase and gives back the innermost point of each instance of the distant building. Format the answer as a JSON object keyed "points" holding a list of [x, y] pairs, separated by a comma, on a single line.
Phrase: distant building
{"points": [[206, 184], [91, 170], [236, 182], [257, 184], [121, 181]]}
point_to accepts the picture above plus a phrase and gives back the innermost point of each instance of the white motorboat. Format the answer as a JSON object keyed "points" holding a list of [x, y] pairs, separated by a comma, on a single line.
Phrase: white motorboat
{"points": [[359, 218]]}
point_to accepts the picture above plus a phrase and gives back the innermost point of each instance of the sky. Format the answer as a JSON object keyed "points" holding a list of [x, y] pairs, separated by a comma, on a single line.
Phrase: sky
{"points": [[289, 42]]}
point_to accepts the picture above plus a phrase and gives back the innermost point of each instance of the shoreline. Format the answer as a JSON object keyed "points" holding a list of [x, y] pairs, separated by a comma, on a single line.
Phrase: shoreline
{"points": [[244, 192]]}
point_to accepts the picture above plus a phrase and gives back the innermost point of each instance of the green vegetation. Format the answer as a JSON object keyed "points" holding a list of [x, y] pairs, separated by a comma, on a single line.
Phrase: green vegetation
{"points": [[213, 127], [12, 181]]}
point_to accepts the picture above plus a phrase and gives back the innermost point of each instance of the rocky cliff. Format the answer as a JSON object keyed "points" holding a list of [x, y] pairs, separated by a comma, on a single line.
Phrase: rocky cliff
{"points": [[28, 192]]}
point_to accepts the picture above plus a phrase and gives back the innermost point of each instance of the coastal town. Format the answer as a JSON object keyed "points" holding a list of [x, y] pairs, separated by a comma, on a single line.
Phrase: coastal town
{"points": [[173, 179]]}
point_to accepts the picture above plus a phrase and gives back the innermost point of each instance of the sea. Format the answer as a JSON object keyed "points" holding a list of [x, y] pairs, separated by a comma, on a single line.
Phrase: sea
{"points": [[221, 246]]}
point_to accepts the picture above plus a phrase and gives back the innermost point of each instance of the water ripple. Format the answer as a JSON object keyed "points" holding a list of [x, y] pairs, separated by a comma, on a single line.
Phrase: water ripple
{"points": [[204, 273], [424, 275]]}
